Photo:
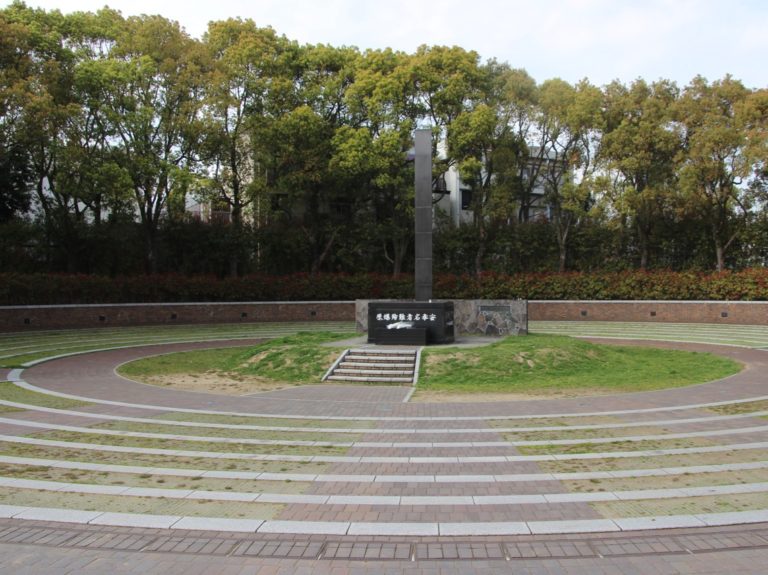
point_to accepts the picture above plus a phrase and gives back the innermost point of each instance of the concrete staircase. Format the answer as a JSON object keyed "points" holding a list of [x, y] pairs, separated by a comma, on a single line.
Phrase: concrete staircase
{"points": [[396, 366]]}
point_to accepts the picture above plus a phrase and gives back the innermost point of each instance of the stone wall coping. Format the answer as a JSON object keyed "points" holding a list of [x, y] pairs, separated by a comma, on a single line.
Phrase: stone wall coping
{"points": [[157, 304], [653, 301], [349, 302]]}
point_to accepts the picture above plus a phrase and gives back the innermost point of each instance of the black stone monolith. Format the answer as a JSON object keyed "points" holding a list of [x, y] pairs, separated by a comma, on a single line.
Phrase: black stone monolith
{"points": [[423, 237]]}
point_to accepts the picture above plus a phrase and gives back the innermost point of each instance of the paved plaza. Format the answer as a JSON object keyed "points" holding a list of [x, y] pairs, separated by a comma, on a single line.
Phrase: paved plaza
{"points": [[124, 477]]}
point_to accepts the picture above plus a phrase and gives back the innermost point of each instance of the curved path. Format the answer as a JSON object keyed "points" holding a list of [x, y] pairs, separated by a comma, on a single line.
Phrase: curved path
{"points": [[353, 479]]}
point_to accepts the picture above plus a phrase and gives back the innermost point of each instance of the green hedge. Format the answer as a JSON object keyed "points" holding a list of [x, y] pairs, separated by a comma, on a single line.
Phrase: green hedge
{"points": [[40, 289]]}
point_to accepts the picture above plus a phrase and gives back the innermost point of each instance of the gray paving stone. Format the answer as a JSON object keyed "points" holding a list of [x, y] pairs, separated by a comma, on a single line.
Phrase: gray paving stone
{"points": [[734, 518], [394, 529], [60, 515], [8, 511], [135, 520], [363, 500], [218, 524], [484, 529], [658, 522], [437, 500], [292, 498], [573, 526], [509, 499], [304, 527]]}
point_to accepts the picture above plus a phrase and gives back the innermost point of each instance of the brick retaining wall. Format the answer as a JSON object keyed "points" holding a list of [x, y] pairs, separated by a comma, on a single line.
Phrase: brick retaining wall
{"points": [[20, 318], [747, 313]]}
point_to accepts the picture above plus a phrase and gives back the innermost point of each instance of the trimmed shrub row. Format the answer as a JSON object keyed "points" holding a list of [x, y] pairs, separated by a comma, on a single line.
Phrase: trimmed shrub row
{"points": [[42, 289]]}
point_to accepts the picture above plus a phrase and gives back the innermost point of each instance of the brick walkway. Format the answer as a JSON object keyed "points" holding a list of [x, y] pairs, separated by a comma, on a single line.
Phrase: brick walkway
{"points": [[46, 547]]}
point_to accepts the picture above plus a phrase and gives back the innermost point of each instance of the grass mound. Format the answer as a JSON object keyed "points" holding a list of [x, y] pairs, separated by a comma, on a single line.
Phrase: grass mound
{"points": [[532, 365], [291, 360], [547, 363]]}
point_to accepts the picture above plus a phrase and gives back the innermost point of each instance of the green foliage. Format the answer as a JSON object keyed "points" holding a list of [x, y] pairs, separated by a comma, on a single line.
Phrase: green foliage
{"points": [[39, 289], [539, 364], [110, 126]]}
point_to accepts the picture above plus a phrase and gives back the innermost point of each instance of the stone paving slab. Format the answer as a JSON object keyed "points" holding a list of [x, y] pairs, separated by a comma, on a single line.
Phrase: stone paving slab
{"points": [[8, 511], [304, 527], [218, 524], [59, 515], [574, 526], [658, 522], [135, 520], [394, 529], [384, 529]]}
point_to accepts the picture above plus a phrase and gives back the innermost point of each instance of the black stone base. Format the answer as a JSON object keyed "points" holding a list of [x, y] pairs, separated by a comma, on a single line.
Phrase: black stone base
{"points": [[407, 336], [435, 319]]}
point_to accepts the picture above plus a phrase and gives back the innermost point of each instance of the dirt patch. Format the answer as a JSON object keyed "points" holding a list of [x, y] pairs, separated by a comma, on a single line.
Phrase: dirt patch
{"points": [[216, 382]]}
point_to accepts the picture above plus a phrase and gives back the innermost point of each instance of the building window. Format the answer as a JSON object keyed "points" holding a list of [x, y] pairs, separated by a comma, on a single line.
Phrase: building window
{"points": [[466, 199]]}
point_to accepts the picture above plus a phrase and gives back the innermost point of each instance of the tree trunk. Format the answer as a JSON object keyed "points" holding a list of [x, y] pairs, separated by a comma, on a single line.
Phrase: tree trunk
{"points": [[720, 254], [642, 236], [235, 249], [561, 259], [318, 261], [400, 247]]}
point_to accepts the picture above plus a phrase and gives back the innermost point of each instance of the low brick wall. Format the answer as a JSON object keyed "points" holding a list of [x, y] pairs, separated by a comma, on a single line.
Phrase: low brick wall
{"points": [[21, 318], [747, 313]]}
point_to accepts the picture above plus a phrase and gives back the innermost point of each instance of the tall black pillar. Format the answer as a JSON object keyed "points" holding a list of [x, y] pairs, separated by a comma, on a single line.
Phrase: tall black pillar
{"points": [[423, 169]]}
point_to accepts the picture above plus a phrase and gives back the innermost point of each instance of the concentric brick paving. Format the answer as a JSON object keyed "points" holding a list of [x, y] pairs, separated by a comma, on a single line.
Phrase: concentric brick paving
{"points": [[92, 376]]}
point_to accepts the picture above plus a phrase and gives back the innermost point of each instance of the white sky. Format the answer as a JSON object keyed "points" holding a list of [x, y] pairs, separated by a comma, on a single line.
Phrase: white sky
{"points": [[571, 39]]}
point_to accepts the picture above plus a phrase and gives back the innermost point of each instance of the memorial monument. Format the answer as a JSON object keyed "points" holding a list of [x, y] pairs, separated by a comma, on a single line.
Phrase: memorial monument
{"points": [[421, 321]]}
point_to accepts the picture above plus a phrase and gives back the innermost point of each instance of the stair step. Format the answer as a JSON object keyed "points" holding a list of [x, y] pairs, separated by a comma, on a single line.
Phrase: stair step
{"points": [[395, 358], [379, 352], [374, 365], [371, 378], [366, 372]]}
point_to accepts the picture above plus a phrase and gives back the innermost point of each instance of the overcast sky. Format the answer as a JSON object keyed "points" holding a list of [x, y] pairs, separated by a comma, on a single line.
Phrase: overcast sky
{"points": [[601, 40]]}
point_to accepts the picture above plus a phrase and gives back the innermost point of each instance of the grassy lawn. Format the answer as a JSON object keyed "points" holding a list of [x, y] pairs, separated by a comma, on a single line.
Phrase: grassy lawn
{"points": [[540, 364], [297, 435], [530, 365], [11, 392], [150, 460], [295, 359], [187, 445], [265, 421], [153, 505]]}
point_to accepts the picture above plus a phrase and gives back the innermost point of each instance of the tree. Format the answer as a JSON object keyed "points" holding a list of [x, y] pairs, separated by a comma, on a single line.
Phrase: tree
{"points": [[152, 92], [245, 61], [294, 144], [15, 72], [570, 116], [718, 156], [488, 153], [370, 153], [641, 146]]}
